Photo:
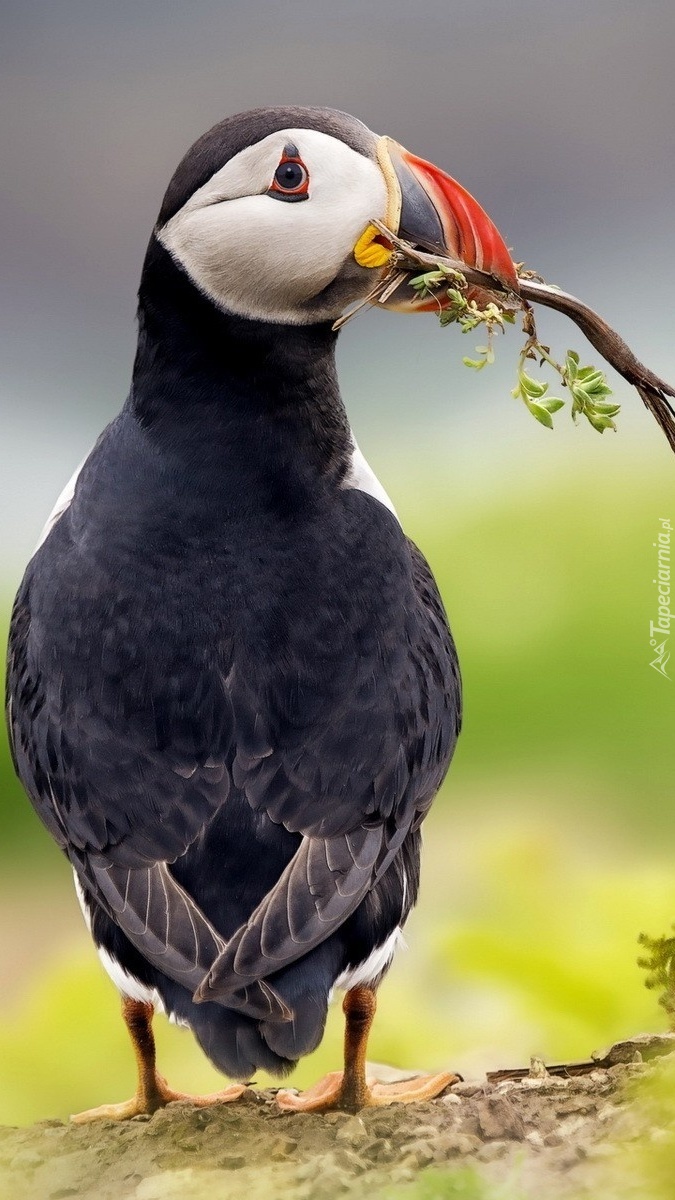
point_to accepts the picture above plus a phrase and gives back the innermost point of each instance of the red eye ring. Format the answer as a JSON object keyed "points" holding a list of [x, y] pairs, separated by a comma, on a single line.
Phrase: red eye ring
{"points": [[291, 179]]}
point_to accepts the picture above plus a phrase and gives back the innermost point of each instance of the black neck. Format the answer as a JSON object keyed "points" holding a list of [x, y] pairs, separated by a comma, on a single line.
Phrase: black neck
{"points": [[204, 376]]}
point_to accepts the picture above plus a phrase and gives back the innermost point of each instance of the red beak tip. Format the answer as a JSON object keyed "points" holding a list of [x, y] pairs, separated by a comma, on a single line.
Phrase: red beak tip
{"points": [[471, 236]]}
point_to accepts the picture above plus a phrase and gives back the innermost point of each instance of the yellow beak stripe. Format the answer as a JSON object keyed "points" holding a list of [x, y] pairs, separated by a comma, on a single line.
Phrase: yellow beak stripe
{"points": [[368, 252]]}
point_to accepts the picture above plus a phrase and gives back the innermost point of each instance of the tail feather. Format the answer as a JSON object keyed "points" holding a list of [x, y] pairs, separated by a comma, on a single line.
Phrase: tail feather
{"points": [[234, 1043], [239, 1044]]}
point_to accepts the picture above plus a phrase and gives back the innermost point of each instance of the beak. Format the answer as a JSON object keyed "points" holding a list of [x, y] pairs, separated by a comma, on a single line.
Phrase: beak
{"points": [[436, 214]]}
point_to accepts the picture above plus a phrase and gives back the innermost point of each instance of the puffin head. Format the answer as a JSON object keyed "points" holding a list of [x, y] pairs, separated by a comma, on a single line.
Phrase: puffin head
{"points": [[269, 215]]}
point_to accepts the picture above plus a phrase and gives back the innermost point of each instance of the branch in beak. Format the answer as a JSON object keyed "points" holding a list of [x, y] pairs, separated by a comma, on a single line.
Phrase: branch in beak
{"points": [[655, 393]]}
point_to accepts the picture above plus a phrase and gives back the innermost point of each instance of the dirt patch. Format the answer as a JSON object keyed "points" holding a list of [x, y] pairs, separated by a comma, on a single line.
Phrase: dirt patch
{"points": [[557, 1130]]}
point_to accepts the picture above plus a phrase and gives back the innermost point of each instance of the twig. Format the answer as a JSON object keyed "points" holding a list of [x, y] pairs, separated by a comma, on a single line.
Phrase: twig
{"points": [[558, 1070], [653, 390]]}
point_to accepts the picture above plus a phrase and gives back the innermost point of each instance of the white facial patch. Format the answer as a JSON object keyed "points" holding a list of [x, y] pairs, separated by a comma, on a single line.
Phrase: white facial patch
{"points": [[270, 259]]}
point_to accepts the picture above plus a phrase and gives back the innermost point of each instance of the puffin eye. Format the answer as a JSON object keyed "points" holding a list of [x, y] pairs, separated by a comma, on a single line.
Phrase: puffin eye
{"points": [[291, 178]]}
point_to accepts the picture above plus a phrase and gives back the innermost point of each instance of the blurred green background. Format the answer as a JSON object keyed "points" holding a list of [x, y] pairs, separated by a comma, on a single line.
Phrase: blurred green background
{"points": [[552, 844]]}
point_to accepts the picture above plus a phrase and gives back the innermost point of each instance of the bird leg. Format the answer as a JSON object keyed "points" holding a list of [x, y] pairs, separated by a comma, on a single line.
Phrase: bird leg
{"points": [[348, 1089], [152, 1091]]}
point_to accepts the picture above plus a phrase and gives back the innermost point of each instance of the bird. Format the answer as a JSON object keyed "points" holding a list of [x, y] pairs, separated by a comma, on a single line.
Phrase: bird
{"points": [[233, 693]]}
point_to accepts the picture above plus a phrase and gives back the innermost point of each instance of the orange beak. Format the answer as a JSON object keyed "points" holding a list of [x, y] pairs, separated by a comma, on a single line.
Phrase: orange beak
{"points": [[439, 216]]}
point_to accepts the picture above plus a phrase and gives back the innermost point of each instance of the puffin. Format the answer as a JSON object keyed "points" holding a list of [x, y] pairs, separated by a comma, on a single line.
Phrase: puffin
{"points": [[232, 692]]}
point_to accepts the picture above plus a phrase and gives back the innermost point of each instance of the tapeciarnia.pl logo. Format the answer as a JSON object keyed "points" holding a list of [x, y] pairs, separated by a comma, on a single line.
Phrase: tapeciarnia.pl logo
{"points": [[659, 630]]}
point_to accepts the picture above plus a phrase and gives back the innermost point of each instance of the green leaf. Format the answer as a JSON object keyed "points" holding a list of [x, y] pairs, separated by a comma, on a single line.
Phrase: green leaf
{"points": [[428, 280], [476, 364], [552, 404], [456, 297], [532, 387], [571, 365], [540, 414], [589, 374], [579, 395], [600, 422], [609, 410]]}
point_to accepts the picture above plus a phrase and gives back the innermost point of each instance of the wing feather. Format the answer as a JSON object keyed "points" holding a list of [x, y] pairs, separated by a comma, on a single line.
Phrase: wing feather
{"points": [[159, 918], [321, 887]]}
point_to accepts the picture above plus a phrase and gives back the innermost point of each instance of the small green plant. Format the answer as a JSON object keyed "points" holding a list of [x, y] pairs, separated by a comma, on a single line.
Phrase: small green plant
{"points": [[587, 385], [659, 963]]}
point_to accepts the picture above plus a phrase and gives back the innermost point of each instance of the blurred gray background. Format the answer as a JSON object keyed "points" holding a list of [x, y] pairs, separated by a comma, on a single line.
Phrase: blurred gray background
{"points": [[559, 117]]}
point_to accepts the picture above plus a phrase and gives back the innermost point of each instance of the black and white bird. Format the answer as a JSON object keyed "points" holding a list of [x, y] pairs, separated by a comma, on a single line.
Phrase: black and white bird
{"points": [[233, 693]]}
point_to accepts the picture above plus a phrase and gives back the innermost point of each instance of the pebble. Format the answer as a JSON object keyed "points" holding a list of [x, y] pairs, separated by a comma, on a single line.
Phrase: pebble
{"points": [[451, 1145], [408, 1163], [353, 1132], [423, 1131], [553, 1139], [403, 1174], [572, 1126], [571, 1157], [538, 1068], [499, 1119], [349, 1162], [232, 1162], [282, 1148], [465, 1088], [492, 1151], [607, 1112], [336, 1118], [378, 1150], [421, 1153]]}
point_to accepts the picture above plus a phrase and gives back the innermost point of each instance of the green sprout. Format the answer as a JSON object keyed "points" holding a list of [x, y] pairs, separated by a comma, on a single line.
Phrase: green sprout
{"points": [[660, 967], [587, 385], [463, 312]]}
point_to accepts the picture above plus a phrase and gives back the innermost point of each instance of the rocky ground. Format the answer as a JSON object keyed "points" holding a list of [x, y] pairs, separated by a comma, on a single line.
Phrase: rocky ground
{"points": [[551, 1132]]}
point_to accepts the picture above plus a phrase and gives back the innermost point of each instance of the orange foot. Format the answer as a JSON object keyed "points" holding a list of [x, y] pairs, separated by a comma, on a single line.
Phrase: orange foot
{"points": [[328, 1093], [156, 1097]]}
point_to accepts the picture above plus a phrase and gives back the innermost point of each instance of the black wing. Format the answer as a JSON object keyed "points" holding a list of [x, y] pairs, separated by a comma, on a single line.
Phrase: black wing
{"points": [[121, 800], [130, 726], [376, 758]]}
